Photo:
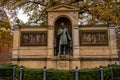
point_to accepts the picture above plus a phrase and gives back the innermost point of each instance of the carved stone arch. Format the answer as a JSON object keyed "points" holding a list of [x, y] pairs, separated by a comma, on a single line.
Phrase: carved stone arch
{"points": [[56, 18], [68, 24], [66, 20]]}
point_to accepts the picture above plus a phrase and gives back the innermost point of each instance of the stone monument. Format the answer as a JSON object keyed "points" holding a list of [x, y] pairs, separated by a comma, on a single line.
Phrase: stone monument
{"points": [[67, 47]]}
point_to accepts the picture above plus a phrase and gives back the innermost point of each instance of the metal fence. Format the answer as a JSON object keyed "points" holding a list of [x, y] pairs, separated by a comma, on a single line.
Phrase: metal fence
{"points": [[77, 74]]}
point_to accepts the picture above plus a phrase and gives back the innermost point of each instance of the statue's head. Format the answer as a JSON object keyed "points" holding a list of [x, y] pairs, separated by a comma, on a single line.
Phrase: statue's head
{"points": [[62, 25]]}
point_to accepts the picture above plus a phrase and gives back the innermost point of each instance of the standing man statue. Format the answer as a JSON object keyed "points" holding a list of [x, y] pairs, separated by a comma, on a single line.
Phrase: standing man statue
{"points": [[64, 39]]}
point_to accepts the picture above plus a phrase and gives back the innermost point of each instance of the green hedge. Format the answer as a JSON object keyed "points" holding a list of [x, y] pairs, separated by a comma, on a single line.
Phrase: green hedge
{"points": [[33, 74], [6, 71], [60, 75], [90, 75], [52, 74]]}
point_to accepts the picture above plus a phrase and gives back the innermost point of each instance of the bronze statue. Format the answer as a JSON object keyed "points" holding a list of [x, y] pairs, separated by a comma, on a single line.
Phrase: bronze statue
{"points": [[64, 40]]}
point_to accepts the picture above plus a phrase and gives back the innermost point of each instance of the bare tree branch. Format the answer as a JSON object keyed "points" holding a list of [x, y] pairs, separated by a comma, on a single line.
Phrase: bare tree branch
{"points": [[35, 2]]}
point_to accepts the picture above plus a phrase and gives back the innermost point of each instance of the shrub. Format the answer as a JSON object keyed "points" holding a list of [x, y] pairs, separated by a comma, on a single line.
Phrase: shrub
{"points": [[52, 74]]}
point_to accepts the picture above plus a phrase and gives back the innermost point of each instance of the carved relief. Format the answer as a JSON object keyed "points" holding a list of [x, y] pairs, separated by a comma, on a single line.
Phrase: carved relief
{"points": [[34, 38], [74, 15], [94, 37]]}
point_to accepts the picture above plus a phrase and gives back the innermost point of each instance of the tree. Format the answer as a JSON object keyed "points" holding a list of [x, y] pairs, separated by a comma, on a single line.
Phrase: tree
{"points": [[100, 10], [5, 33], [5, 38], [4, 22]]}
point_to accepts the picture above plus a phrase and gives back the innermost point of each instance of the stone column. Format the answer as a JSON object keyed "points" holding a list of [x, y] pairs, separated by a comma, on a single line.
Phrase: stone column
{"points": [[112, 43], [16, 43], [76, 41], [50, 42], [76, 52], [50, 53]]}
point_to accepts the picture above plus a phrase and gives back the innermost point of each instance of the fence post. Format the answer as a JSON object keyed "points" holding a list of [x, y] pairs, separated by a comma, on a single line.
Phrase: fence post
{"points": [[111, 72], [44, 73], [21, 73], [14, 72], [101, 73], [76, 73]]}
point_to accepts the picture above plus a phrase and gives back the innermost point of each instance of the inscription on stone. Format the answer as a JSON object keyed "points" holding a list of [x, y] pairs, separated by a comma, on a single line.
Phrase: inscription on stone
{"points": [[63, 65]]}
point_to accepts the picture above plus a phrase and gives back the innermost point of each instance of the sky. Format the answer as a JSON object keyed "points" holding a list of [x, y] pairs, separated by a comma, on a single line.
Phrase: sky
{"points": [[22, 16]]}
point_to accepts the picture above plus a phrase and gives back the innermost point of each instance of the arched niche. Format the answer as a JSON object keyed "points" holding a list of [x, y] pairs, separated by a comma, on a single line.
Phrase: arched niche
{"points": [[68, 25]]}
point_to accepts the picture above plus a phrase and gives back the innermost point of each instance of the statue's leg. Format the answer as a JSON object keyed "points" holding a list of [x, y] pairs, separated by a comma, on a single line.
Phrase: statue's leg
{"points": [[59, 51], [62, 49], [65, 49]]}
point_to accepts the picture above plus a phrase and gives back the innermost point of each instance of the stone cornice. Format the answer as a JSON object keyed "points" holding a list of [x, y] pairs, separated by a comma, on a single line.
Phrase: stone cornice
{"points": [[62, 7], [90, 25]]}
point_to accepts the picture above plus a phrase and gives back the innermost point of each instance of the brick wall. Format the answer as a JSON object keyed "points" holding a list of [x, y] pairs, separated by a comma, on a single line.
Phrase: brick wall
{"points": [[5, 53]]}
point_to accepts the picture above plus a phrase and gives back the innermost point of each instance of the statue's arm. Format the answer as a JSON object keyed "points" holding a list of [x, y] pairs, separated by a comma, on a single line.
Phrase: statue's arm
{"points": [[68, 35], [60, 32]]}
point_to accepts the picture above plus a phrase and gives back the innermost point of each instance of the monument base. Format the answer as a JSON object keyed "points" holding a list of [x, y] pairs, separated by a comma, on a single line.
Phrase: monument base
{"points": [[62, 62]]}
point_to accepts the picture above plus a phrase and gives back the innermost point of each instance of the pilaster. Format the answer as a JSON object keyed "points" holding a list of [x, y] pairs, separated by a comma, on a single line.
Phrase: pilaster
{"points": [[16, 43], [76, 41], [112, 43]]}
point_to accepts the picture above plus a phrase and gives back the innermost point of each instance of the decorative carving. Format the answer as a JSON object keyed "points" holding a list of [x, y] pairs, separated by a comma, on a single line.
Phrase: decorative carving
{"points": [[51, 16], [94, 37], [34, 38], [74, 15]]}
